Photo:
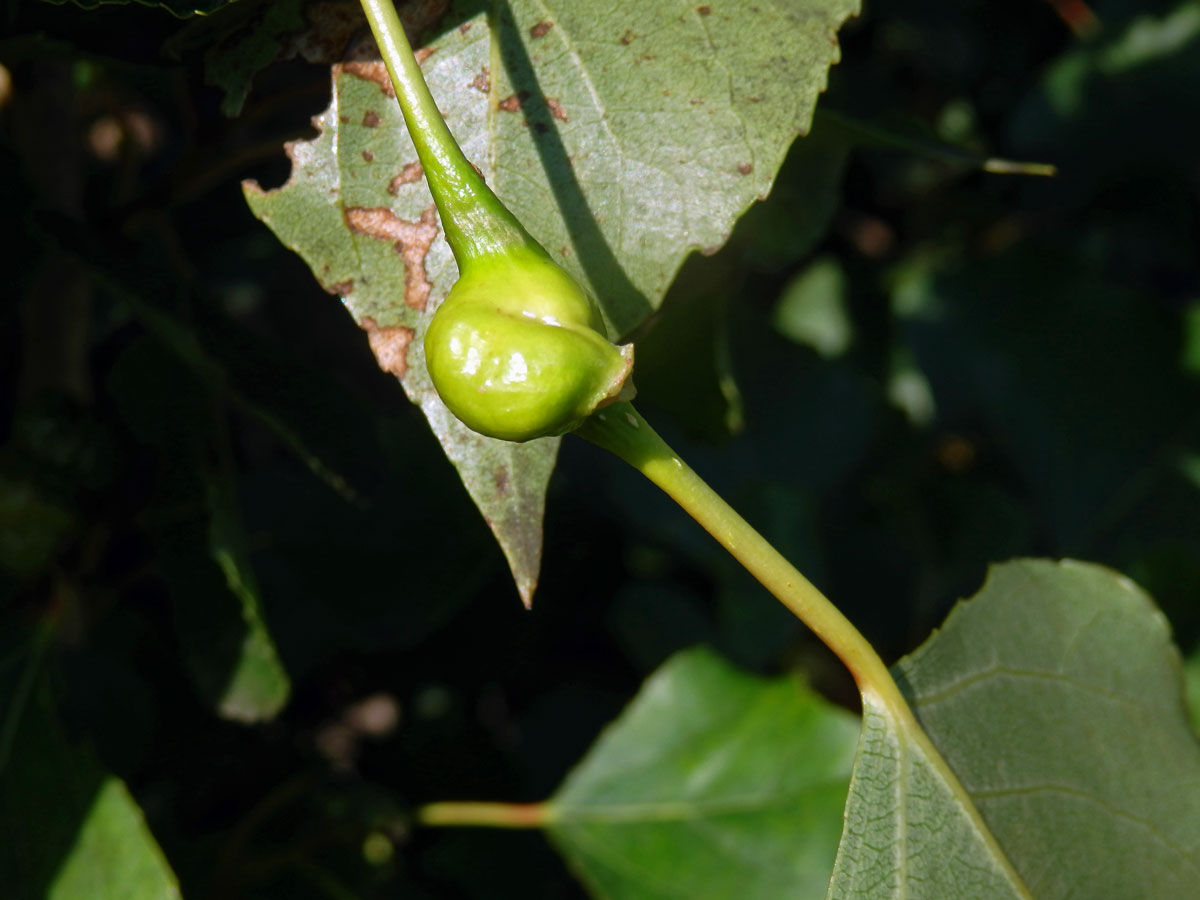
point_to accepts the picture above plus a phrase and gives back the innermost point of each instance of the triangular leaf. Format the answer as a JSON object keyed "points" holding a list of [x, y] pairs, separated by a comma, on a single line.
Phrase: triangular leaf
{"points": [[712, 784], [1055, 697], [78, 833], [195, 526], [623, 144]]}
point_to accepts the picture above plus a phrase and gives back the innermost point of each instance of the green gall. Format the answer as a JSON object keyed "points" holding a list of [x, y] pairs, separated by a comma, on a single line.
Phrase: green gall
{"points": [[517, 350]]}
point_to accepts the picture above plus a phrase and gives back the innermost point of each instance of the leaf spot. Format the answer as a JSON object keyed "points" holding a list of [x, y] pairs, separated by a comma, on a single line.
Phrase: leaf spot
{"points": [[500, 479], [627, 37], [745, 168], [411, 240], [389, 345], [371, 119], [513, 102], [368, 156], [556, 109], [541, 29], [341, 288], [482, 82], [373, 70], [410, 174], [423, 54], [704, 10]]}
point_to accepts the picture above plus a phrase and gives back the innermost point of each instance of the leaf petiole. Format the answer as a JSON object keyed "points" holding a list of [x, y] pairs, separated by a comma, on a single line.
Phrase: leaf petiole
{"points": [[621, 430]]}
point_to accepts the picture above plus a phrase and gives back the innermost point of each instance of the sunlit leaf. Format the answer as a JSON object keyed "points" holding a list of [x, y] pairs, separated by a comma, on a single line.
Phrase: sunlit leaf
{"points": [[623, 143]]}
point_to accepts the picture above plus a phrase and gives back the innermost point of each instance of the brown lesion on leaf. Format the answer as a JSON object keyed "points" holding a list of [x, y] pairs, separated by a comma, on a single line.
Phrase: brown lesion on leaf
{"points": [[464, 27], [340, 288], [627, 37], [373, 70], [513, 102], [541, 29], [482, 82], [411, 240], [410, 174], [704, 10], [389, 344], [556, 109], [745, 168], [500, 480], [423, 54], [368, 156], [371, 119]]}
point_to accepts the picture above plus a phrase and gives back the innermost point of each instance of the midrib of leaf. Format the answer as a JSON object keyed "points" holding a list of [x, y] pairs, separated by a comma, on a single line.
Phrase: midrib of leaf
{"points": [[699, 810], [891, 704], [585, 79], [492, 21]]}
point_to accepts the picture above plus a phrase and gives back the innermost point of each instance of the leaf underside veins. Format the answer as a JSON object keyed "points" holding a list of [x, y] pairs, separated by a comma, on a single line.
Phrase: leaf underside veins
{"points": [[1055, 697]]}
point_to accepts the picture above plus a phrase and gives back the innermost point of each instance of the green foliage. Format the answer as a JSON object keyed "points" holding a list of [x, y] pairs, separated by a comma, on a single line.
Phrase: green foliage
{"points": [[711, 783], [72, 829], [250, 624], [557, 114], [1054, 695]]}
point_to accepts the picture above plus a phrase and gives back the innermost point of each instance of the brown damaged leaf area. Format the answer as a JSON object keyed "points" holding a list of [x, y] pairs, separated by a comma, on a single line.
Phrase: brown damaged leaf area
{"points": [[411, 240], [410, 174], [556, 109], [483, 81], [389, 344], [373, 70], [513, 102]]}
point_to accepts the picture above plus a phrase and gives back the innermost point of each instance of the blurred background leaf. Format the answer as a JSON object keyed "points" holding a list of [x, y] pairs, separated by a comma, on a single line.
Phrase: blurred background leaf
{"points": [[711, 783]]}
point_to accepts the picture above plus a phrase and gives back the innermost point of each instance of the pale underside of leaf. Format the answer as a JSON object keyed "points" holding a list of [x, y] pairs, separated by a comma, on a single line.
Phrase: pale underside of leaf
{"points": [[1054, 697], [623, 139]]}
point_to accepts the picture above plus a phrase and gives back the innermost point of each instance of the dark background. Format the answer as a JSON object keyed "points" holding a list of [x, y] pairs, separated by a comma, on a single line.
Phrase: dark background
{"points": [[1016, 375]]}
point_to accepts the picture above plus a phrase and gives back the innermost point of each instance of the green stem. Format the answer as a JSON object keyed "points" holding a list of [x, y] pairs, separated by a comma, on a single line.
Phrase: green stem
{"points": [[621, 430], [873, 134], [486, 815], [476, 223]]}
